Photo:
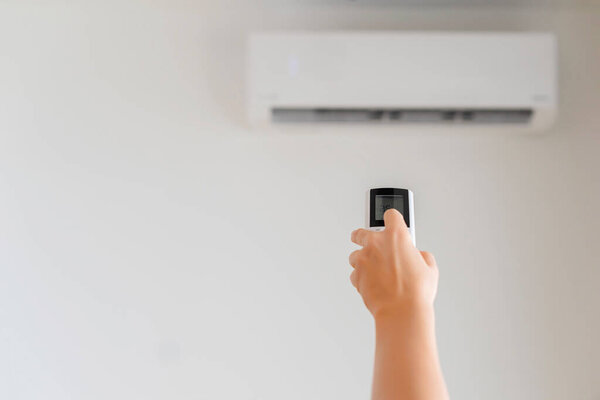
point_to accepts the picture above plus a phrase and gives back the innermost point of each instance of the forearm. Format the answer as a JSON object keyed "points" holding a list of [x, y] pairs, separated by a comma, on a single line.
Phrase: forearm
{"points": [[406, 359]]}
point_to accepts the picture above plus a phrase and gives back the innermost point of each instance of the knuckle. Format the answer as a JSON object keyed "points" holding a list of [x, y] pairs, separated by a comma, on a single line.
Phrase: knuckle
{"points": [[355, 258], [395, 230], [403, 235], [375, 241], [354, 278], [364, 239], [367, 253], [360, 259]]}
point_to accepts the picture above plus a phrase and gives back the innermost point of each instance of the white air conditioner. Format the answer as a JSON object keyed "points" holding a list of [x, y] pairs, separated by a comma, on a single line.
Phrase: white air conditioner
{"points": [[409, 78]]}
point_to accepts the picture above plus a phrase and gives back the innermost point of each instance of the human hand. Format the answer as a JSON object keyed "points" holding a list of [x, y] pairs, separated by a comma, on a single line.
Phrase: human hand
{"points": [[390, 273]]}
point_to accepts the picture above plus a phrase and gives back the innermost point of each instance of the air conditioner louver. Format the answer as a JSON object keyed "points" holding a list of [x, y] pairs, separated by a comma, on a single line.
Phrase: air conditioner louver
{"points": [[408, 116]]}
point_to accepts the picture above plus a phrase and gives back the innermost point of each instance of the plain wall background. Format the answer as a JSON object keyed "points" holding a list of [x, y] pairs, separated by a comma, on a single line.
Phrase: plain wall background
{"points": [[152, 246]]}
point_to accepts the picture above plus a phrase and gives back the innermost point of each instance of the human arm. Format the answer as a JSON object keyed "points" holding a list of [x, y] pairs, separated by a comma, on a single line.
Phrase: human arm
{"points": [[398, 284]]}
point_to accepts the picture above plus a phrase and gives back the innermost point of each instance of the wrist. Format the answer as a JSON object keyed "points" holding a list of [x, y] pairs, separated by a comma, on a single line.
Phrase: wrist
{"points": [[408, 311]]}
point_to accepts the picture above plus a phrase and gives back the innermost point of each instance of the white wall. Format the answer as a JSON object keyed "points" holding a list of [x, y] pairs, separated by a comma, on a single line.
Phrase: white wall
{"points": [[152, 247]]}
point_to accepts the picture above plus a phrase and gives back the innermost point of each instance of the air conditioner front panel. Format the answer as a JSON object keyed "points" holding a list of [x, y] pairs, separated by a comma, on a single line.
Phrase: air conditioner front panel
{"points": [[488, 71]]}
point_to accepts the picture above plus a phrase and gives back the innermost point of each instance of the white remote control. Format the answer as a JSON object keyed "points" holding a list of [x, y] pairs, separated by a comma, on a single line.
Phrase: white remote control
{"points": [[381, 199]]}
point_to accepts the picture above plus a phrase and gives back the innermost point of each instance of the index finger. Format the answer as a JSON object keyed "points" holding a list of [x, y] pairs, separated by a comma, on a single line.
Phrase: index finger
{"points": [[361, 236]]}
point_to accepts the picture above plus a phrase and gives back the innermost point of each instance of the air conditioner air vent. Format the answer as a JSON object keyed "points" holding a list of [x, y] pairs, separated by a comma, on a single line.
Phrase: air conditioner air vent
{"points": [[396, 115]]}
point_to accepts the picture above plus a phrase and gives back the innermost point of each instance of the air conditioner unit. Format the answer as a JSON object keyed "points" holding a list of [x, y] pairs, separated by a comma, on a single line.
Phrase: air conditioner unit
{"points": [[506, 80]]}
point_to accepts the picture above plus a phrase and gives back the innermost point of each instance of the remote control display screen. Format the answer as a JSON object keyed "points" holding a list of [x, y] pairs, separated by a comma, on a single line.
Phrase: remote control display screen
{"points": [[384, 202]]}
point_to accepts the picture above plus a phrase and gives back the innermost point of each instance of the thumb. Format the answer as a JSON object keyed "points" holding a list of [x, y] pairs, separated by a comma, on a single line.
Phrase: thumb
{"points": [[393, 219]]}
